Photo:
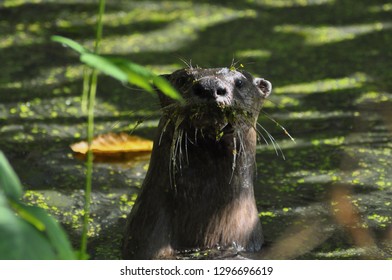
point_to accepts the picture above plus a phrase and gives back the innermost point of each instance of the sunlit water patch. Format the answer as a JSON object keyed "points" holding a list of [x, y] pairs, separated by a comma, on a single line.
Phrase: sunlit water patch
{"points": [[332, 34], [355, 80], [290, 3]]}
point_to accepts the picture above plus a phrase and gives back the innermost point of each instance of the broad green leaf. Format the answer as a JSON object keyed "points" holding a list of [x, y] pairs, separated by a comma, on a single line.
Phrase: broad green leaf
{"points": [[55, 234], [140, 81], [132, 67], [121, 69], [9, 181], [104, 65], [137, 75], [3, 200], [20, 240], [166, 88], [136, 72], [69, 43], [32, 233], [27, 216]]}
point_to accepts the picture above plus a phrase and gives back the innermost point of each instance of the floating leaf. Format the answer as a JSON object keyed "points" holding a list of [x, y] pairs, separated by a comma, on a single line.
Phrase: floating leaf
{"points": [[114, 143]]}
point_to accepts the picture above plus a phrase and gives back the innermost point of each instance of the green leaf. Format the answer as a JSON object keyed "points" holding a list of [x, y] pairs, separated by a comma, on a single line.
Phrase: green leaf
{"points": [[9, 181], [55, 234], [69, 43], [20, 240], [121, 69], [32, 233], [167, 88], [131, 67], [104, 65], [45, 225], [140, 81], [137, 75], [142, 77], [27, 216]]}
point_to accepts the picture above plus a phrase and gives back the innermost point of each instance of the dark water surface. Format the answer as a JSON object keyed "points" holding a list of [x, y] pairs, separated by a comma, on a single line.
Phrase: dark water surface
{"points": [[330, 65]]}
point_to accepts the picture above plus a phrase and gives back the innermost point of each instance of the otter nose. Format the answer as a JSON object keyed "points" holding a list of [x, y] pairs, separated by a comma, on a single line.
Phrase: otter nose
{"points": [[210, 90]]}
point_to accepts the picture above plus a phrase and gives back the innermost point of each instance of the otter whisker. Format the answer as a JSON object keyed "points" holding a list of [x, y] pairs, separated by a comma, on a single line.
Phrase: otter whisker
{"points": [[138, 123], [233, 164], [186, 148], [163, 131], [179, 148], [277, 145], [273, 142], [196, 130], [173, 151], [241, 141], [189, 65], [172, 162], [272, 139], [234, 63], [247, 122], [190, 140], [278, 124], [259, 134], [169, 108]]}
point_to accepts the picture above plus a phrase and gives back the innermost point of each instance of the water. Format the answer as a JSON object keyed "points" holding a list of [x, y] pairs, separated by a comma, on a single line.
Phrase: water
{"points": [[331, 195]]}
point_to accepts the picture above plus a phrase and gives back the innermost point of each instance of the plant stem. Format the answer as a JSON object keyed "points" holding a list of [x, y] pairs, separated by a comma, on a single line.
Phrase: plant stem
{"points": [[98, 37], [90, 133]]}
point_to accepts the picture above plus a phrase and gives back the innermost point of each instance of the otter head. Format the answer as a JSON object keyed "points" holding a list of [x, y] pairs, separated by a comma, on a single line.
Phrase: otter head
{"points": [[216, 99]]}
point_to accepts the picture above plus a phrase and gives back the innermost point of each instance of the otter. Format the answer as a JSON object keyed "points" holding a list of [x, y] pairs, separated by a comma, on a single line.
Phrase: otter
{"points": [[198, 191]]}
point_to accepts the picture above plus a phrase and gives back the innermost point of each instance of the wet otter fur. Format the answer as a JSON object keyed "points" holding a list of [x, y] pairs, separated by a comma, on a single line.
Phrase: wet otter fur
{"points": [[198, 191]]}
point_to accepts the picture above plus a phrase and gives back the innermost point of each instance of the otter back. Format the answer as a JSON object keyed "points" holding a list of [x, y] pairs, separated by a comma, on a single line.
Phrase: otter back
{"points": [[198, 191]]}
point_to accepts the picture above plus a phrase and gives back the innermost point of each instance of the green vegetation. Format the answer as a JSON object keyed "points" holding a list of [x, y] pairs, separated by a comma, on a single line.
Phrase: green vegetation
{"points": [[329, 62], [27, 232]]}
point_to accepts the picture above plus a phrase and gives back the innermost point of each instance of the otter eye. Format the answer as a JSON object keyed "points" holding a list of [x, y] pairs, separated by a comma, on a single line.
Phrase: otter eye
{"points": [[239, 84]]}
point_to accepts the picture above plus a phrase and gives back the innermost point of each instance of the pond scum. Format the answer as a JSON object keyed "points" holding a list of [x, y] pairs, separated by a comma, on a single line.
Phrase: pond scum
{"points": [[329, 64]]}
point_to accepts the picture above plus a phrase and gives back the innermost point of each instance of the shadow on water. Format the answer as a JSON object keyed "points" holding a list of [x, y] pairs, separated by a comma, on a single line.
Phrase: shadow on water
{"points": [[328, 64]]}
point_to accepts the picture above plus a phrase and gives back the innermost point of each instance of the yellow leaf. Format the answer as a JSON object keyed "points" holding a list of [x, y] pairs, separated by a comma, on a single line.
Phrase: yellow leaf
{"points": [[114, 143]]}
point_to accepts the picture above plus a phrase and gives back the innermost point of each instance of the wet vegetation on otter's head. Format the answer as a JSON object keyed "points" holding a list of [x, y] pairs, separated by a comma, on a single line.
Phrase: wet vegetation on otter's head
{"points": [[198, 192]]}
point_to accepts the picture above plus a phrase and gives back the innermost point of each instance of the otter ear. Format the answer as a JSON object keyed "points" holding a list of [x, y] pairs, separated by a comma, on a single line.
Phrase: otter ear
{"points": [[163, 98], [264, 86]]}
